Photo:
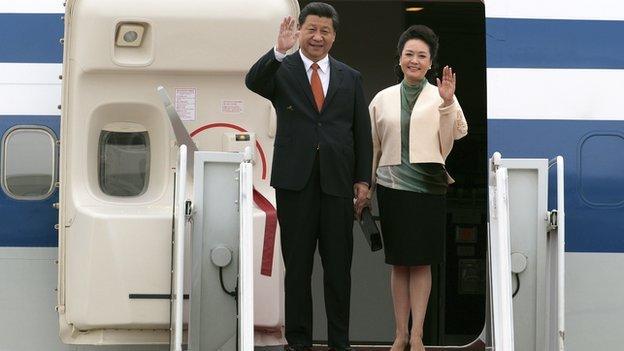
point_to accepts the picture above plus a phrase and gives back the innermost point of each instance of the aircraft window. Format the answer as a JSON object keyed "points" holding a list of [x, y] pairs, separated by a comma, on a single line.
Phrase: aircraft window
{"points": [[28, 162], [124, 163]]}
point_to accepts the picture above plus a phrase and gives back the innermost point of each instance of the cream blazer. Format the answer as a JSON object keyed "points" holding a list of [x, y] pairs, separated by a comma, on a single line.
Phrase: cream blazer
{"points": [[433, 128]]}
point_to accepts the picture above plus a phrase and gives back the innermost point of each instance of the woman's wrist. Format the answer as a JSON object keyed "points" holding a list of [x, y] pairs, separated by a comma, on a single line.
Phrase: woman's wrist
{"points": [[447, 103]]}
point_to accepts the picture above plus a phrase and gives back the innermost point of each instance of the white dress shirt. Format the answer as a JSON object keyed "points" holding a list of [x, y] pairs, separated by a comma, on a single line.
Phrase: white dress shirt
{"points": [[323, 70]]}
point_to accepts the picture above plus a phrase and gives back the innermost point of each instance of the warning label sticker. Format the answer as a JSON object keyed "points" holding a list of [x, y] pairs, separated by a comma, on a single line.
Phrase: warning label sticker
{"points": [[232, 107], [186, 103]]}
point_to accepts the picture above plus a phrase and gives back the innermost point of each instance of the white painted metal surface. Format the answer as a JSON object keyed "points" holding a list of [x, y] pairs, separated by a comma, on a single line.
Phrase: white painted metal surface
{"points": [[30, 99], [528, 205], [246, 291], [213, 321], [594, 304], [31, 6], [573, 101], [555, 9], [561, 252], [30, 73], [177, 298], [500, 262]]}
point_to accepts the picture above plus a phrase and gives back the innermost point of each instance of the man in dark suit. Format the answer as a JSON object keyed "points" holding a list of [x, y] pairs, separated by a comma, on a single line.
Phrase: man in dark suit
{"points": [[321, 162]]}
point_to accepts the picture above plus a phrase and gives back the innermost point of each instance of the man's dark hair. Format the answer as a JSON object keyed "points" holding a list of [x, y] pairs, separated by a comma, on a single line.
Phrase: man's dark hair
{"points": [[320, 9], [425, 34]]}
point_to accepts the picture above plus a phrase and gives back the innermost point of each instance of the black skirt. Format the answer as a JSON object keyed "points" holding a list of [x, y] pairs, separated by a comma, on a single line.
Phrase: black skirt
{"points": [[413, 226]]}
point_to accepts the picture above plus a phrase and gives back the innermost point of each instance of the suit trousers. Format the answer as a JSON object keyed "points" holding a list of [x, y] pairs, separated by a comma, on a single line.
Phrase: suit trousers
{"points": [[306, 217]]}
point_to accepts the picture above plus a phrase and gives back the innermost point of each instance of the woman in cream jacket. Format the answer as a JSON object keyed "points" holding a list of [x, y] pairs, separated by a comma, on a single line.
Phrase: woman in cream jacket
{"points": [[414, 125]]}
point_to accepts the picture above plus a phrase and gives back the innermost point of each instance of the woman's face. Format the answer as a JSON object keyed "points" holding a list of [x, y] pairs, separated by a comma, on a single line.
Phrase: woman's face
{"points": [[415, 60]]}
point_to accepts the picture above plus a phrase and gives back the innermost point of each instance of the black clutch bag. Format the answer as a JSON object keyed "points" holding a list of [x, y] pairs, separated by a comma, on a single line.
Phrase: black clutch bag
{"points": [[370, 230]]}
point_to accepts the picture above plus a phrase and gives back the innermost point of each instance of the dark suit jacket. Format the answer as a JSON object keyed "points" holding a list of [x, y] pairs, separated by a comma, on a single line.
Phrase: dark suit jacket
{"points": [[341, 131]]}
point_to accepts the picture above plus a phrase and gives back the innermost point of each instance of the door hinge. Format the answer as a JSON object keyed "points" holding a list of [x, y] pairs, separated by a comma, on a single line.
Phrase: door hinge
{"points": [[188, 210], [551, 218]]}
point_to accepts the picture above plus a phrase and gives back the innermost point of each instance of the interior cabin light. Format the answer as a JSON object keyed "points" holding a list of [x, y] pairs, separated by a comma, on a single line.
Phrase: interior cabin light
{"points": [[130, 37], [414, 9], [242, 137], [130, 34]]}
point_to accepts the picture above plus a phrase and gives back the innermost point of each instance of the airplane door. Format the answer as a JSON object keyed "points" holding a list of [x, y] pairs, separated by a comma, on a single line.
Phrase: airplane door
{"points": [[28, 179]]}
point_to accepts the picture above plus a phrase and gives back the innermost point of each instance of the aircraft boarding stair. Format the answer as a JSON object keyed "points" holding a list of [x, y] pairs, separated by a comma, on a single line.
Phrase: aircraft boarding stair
{"points": [[517, 200]]}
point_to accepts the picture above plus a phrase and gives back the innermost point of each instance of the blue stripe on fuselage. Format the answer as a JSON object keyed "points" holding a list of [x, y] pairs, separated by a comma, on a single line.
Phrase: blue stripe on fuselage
{"points": [[548, 43], [511, 42], [31, 38], [594, 163]]}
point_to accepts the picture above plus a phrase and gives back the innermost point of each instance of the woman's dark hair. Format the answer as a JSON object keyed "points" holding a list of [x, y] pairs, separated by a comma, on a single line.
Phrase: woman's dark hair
{"points": [[425, 34], [320, 9]]}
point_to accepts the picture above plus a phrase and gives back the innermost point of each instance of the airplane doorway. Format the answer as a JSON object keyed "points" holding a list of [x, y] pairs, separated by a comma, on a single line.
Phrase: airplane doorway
{"points": [[366, 40]]}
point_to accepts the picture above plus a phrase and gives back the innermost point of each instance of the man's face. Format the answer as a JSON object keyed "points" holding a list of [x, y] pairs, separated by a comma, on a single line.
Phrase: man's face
{"points": [[316, 37]]}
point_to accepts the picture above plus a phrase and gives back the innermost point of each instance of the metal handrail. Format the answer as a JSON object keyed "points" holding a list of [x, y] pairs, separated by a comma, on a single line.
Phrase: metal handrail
{"points": [[245, 298], [179, 240], [560, 254], [500, 261]]}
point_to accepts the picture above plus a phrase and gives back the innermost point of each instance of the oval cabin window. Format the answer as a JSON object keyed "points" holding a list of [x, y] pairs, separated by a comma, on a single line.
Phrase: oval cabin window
{"points": [[123, 162], [28, 162]]}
